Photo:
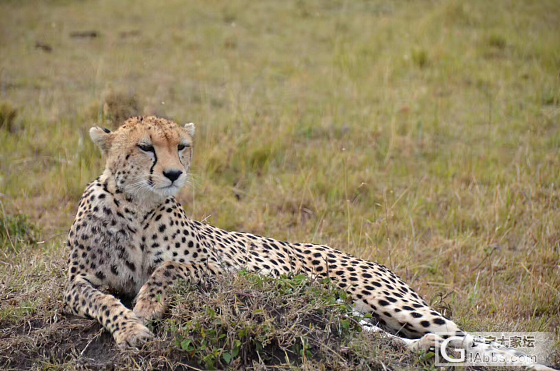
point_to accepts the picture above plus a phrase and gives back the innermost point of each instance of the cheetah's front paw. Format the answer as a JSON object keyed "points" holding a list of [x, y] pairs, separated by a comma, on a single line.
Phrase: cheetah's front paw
{"points": [[132, 334], [148, 309]]}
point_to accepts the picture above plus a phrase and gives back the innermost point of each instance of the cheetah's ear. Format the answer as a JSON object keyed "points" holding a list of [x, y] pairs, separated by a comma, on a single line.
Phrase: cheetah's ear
{"points": [[102, 138], [189, 128]]}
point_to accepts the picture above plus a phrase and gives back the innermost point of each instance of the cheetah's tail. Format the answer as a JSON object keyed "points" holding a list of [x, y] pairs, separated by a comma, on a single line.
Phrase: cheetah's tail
{"points": [[459, 340]]}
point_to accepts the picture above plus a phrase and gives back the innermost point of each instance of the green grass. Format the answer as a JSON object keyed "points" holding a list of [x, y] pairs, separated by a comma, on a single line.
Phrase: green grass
{"points": [[282, 322], [15, 232], [423, 135], [243, 321]]}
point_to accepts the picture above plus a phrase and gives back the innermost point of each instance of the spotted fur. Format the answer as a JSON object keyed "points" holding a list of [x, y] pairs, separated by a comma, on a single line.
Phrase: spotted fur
{"points": [[131, 236]]}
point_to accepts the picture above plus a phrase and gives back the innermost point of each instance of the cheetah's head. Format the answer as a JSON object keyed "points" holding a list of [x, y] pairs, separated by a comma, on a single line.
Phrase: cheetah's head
{"points": [[149, 157]]}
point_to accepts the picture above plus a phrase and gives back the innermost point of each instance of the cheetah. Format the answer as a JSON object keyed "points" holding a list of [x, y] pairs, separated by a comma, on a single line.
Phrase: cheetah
{"points": [[131, 237]]}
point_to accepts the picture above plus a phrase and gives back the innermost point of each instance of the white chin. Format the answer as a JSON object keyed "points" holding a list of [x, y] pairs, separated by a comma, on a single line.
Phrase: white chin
{"points": [[167, 191]]}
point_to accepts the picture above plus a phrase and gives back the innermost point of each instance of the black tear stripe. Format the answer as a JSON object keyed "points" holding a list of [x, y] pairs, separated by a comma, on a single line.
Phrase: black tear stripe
{"points": [[155, 159]]}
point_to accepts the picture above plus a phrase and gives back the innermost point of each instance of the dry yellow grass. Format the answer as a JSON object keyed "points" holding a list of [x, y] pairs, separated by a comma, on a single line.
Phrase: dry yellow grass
{"points": [[423, 135]]}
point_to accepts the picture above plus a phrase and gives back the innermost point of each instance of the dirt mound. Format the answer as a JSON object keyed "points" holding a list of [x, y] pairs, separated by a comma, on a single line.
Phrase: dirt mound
{"points": [[239, 322]]}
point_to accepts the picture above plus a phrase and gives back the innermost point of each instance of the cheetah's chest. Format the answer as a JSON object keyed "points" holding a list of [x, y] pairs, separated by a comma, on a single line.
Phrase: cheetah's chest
{"points": [[168, 236]]}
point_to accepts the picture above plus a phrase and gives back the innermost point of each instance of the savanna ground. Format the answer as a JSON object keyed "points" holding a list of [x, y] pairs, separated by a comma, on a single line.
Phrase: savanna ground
{"points": [[423, 135]]}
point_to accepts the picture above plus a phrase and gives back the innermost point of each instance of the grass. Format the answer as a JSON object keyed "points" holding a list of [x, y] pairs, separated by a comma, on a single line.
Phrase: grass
{"points": [[244, 321], [16, 232], [256, 321], [423, 136]]}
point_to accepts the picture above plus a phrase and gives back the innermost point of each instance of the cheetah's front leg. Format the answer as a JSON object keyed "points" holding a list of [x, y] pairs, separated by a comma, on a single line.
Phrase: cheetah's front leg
{"points": [[151, 300], [85, 300]]}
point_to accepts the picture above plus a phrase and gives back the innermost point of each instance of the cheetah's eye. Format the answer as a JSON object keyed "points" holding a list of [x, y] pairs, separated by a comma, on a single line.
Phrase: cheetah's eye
{"points": [[146, 147], [182, 146]]}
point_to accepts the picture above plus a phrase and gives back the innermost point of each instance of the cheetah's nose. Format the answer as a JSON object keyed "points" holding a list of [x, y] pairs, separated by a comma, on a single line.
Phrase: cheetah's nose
{"points": [[172, 175]]}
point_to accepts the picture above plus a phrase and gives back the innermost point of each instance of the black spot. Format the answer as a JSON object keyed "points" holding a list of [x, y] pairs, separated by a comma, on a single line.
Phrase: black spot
{"points": [[130, 266], [100, 275], [439, 321], [162, 228], [383, 303], [416, 314], [425, 323]]}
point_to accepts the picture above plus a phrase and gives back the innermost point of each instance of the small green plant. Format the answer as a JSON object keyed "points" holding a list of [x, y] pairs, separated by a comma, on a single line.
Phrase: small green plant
{"points": [[497, 41], [119, 105], [251, 318], [16, 231], [8, 114], [420, 57]]}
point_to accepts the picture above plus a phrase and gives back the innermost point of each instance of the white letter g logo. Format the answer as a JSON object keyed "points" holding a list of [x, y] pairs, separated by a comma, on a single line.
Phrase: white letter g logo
{"points": [[447, 357]]}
